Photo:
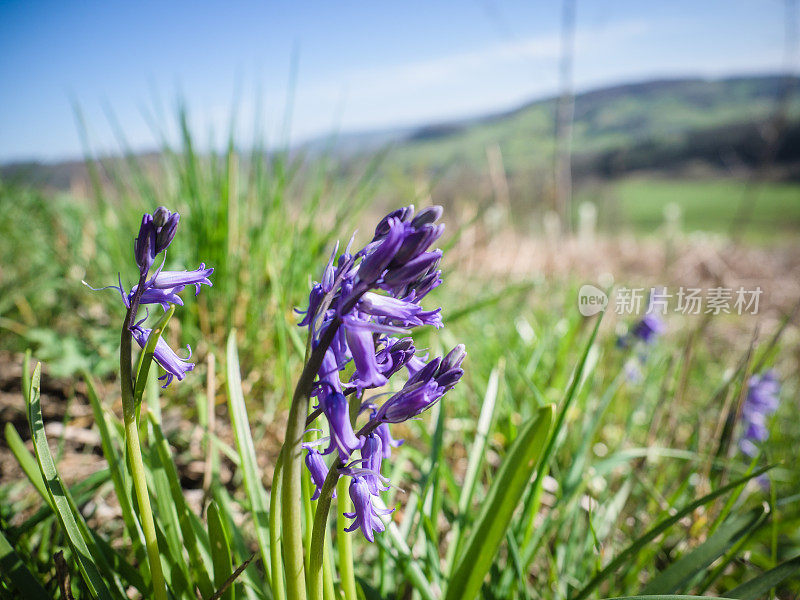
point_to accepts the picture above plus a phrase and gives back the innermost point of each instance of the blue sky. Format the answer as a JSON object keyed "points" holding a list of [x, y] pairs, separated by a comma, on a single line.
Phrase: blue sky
{"points": [[359, 66]]}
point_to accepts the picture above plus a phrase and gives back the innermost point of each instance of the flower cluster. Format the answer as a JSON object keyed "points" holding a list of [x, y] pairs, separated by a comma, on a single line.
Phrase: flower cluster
{"points": [[761, 401], [156, 233], [364, 307]]}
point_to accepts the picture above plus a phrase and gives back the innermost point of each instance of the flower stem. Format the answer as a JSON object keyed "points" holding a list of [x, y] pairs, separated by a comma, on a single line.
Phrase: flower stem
{"points": [[135, 451], [291, 492], [278, 592], [317, 548], [345, 543], [146, 514]]}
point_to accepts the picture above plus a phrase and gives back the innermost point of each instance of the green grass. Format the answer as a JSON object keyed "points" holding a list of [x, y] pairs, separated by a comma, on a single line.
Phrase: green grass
{"points": [[705, 205]]}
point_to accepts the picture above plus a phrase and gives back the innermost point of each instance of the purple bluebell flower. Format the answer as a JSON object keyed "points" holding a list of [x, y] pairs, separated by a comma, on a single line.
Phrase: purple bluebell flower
{"points": [[372, 455], [166, 224], [156, 232], [762, 401], [165, 280], [174, 365], [317, 468], [144, 247], [649, 328], [367, 517], [343, 439], [394, 354], [362, 347], [371, 300]]}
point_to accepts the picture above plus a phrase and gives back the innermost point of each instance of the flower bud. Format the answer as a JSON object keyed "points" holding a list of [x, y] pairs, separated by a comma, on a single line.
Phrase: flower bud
{"points": [[160, 216], [144, 248], [167, 232], [427, 215]]}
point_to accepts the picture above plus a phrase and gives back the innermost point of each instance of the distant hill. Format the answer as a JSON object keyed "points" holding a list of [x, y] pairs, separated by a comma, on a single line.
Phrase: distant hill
{"points": [[660, 125], [650, 125]]}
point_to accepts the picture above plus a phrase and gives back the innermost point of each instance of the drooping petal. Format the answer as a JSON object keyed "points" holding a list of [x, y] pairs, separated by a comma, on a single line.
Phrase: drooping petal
{"points": [[174, 365], [317, 468], [387, 441], [171, 279], [343, 439], [362, 347]]}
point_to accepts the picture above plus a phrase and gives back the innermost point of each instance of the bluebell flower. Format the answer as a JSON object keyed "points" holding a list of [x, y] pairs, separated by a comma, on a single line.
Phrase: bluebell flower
{"points": [[367, 517], [762, 401], [174, 365], [372, 456], [156, 233], [648, 328], [317, 468], [342, 438], [371, 298]]}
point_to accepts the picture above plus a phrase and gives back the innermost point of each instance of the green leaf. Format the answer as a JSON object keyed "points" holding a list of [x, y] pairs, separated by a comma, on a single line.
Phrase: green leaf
{"points": [[116, 467], [669, 597], [759, 586], [26, 461], [680, 574], [220, 551], [197, 565], [477, 454], [58, 494], [653, 533], [503, 496], [247, 453], [15, 571]]}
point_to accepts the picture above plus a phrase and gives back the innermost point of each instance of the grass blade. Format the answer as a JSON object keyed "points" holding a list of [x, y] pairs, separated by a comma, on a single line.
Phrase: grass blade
{"points": [[476, 459], [758, 587], [58, 494], [247, 454], [498, 508], [220, 551], [15, 572], [680, 573], [653, 533]]}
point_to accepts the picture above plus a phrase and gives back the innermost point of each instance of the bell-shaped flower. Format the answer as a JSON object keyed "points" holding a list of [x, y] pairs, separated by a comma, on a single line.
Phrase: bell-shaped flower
{"points": [[316, 468], [172, 279], [174, 365], [343, 439], [367, 517], [362, 347], [372, 455], [144, 247]]}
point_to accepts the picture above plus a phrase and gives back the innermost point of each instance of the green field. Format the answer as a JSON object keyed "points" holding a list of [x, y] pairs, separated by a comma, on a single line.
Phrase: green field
{"points": [[772, 209]]}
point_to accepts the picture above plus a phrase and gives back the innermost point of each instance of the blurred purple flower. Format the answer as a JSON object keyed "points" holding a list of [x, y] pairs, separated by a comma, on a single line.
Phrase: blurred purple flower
{"points": [[762, 401], [649, 328]]}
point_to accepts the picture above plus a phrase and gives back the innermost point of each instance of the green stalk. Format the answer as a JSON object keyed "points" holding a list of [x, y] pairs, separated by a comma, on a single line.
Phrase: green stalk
{"points": [[317, 546], [134, 448], [345, 542], [291, 492], [278, 590]]}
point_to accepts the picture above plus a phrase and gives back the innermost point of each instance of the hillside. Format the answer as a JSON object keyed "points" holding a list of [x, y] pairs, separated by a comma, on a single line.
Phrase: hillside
{"points": [[650, 125], [657, 126]]}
